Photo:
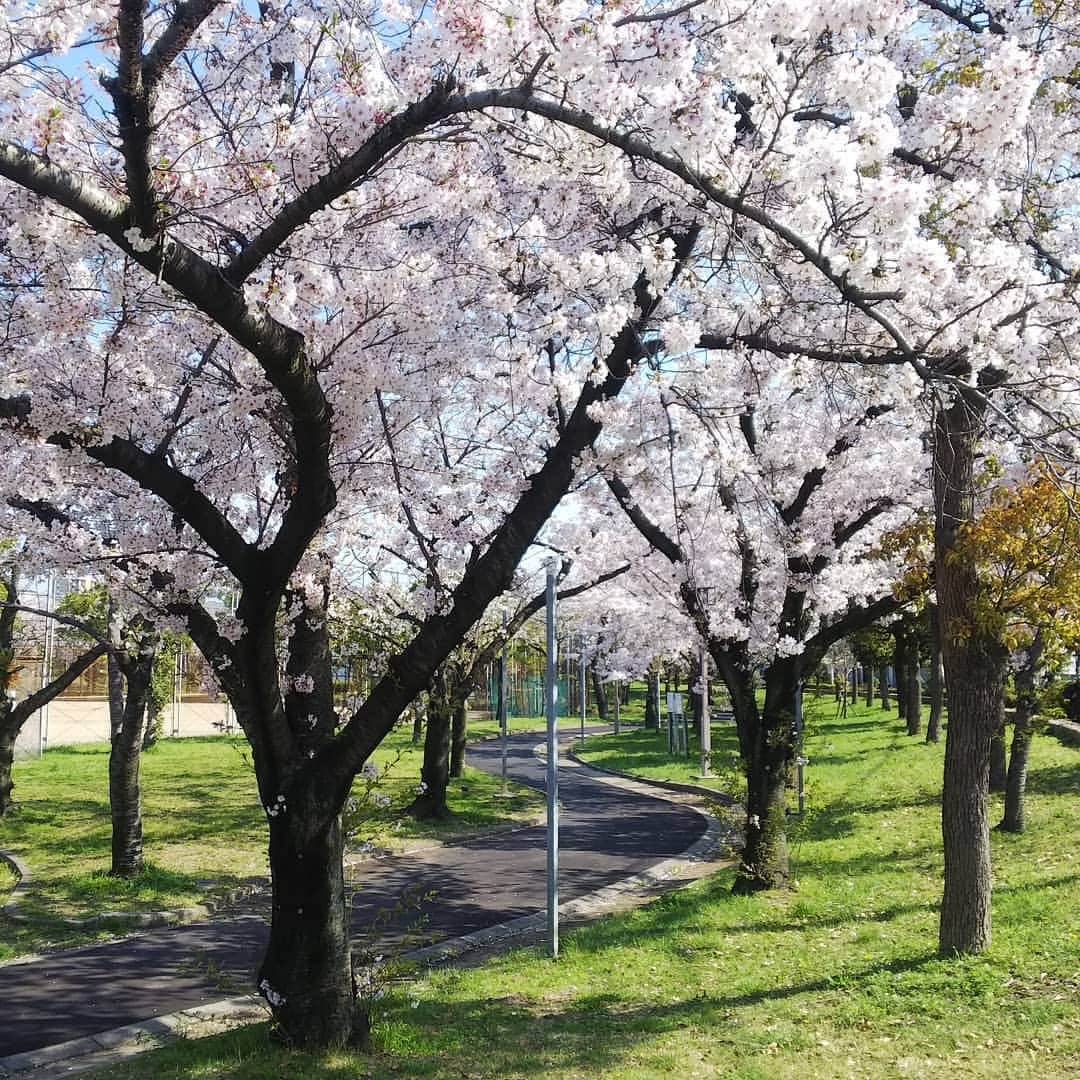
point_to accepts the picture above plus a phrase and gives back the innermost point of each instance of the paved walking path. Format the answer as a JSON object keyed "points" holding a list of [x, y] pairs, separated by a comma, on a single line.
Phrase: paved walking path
{"points": [[609, 832]]}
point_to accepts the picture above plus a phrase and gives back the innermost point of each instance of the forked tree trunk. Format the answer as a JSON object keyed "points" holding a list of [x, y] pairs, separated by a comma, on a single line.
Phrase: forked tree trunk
{"points": [[973, 663], [1023, 732], [306, 973], [125, 796], [435, 772]]}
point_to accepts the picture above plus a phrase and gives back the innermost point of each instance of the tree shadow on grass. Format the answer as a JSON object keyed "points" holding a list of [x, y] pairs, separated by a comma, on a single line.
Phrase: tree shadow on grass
{"points": [[1055, 779], [594, 1032]]}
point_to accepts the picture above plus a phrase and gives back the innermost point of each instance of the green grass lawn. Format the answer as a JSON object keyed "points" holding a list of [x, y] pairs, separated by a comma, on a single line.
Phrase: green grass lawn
{"points": [[645, 753], [837, 978], [202, 823]]}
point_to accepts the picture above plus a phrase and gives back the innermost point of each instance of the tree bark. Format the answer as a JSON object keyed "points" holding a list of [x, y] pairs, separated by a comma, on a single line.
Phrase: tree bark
{"points": [[458, 736], [417, 722], [306, 972], [936, 682], [883, 687], [9, 732], [770, 746], [435, 771], [125, 795], [912, 683], [868, 685], [600, 693], [900, 668], [1023, 732], [652, 703], [973, 662], [999, 771]]}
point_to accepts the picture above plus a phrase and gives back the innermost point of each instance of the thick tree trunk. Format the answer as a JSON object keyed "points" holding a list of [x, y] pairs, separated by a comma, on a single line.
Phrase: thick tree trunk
{"points": [[459, 735], [868, 685], [973, 665], [600, 692], [770, 744], [936, 681], [9, 732], [965, 908], [306, 973], [883, 687], [125, 796], [435, 772]]}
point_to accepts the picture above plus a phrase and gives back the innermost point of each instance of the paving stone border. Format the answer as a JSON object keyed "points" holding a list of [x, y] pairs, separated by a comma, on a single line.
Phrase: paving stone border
{"points": [[712, 794], [138, 919], [1066, 730], [109, 1047]]}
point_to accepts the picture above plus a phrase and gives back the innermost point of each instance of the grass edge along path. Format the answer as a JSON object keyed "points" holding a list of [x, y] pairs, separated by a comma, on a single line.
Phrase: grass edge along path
{"points": [[837, 978], [197, 793]]}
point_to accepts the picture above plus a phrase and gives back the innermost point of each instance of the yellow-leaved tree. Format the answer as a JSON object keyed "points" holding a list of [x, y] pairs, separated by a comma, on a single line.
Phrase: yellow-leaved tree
{"points": [[1026, 547]]}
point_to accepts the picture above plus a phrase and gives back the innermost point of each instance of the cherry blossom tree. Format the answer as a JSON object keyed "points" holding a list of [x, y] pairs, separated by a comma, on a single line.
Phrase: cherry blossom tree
{"points": [[219, 251], [15, 714], [771, 524]]}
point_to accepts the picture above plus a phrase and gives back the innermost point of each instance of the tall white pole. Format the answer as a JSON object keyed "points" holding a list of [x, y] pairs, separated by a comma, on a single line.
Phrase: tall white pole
{"points": [[550, 690]]}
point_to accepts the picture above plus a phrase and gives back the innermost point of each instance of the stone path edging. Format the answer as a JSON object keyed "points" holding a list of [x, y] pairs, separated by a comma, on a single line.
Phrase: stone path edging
{"points": [[721, 797], [109, 1047], [138, 919], [1066, 730]]}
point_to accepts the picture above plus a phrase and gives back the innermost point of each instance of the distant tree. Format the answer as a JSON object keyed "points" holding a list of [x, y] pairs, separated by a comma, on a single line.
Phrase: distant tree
{"points": [[13, 715]]}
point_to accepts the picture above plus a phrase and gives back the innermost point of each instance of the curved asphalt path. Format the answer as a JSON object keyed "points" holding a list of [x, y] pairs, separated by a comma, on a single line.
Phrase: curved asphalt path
{"points": [[606, 834]]}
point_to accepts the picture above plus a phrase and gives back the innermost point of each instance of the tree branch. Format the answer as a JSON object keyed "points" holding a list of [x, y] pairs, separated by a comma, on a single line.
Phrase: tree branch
{"points": [[31, 704], [186, 20]]}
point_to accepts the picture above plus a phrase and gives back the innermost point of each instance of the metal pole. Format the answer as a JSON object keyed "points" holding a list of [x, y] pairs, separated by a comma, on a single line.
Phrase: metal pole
{"points": [[552, 772], [798, 742], [706, 724], [581, 680], [502, 701]]}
